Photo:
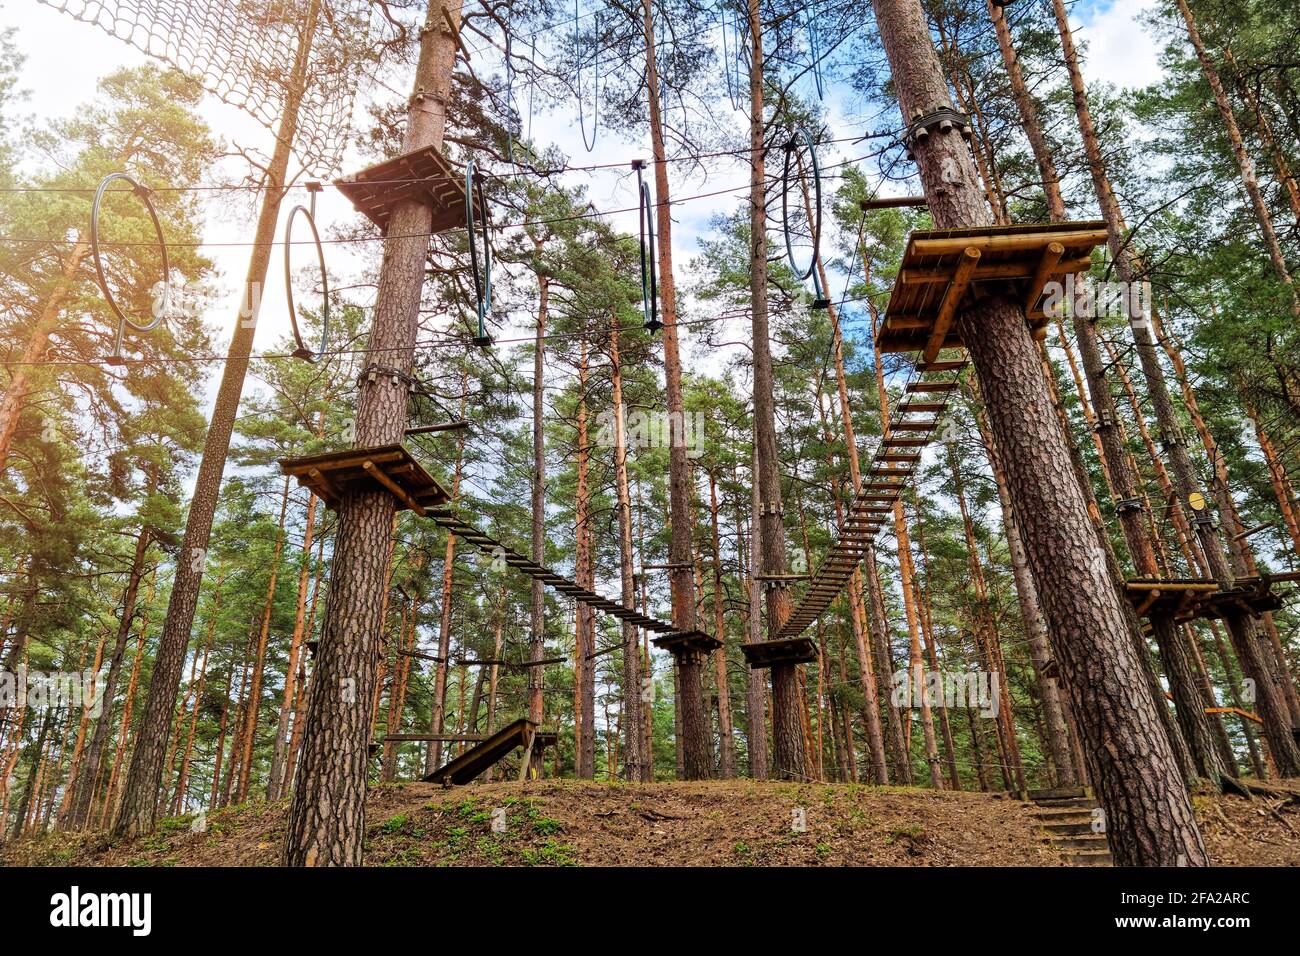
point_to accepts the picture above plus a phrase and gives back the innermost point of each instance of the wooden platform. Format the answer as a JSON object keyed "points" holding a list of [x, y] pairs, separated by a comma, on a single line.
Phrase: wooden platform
{"points": [[792, 650], [1185, 599], [945, 270], [423, 175], [389, 468], [466, 768], [687, 642]]}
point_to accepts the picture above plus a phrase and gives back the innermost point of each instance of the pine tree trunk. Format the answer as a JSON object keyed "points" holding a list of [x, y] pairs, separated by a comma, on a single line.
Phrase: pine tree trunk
{"points": [[326, 822], [755, 679], [278, 782], [144, 781], [1055, 719], [259, 661], [1149, 813], [787, 733], [636, 765], [1239, 153], [83, 787], [584, 667], [438, 708], [726, 732]]}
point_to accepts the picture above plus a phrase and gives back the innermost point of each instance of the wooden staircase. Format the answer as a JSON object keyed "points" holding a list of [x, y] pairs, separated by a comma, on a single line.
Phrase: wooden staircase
{"points": [[1067, 814]]}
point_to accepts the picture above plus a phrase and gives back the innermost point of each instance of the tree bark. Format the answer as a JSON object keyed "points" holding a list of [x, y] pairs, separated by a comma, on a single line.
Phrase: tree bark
{"points": [[636, 766], [326, 822], [144, 780], [1148, 810]]}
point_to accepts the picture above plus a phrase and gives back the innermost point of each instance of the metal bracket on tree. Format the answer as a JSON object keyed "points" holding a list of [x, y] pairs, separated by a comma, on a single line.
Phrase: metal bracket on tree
{"points": [[942, 120]]}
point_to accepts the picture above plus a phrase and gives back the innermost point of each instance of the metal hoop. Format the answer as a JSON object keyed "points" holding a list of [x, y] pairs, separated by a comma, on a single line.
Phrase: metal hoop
{"points": [[801, 138], [595, 82], [649, 264], [814, 51], [482, 275], [302, 351], [510, 99], [122, 319]]}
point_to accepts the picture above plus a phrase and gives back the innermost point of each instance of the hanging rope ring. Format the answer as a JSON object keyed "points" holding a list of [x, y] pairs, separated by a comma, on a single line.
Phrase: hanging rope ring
{"points": [[302, 351], [595, 81], [482, 272], [649, 264], [801, 141], [160, 309]]}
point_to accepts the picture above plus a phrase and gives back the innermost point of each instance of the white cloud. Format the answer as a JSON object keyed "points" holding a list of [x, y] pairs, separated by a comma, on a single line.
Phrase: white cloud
{"points": [[1121, 50]]}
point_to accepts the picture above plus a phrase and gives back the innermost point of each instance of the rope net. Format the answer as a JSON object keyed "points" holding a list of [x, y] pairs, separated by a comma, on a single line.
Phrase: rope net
{"points": [[243, 52]]}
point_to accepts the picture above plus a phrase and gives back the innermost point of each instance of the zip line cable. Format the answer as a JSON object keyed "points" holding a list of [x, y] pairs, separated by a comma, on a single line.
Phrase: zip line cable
{"points": [[540, 173], [593, 214]]}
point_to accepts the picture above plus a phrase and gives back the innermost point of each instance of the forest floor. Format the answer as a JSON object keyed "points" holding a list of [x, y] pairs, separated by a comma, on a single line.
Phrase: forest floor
{"points": [[738, 823]]}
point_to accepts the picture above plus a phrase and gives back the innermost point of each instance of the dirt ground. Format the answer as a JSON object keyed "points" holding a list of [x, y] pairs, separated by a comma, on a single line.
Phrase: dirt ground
{"points": [[738, 823]]}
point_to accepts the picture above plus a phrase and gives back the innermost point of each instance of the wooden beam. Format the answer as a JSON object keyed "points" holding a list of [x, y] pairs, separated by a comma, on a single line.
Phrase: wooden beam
{"points": [[952, 297], [398, 491], [1052, 253], [1011, 243], [991, 270]]}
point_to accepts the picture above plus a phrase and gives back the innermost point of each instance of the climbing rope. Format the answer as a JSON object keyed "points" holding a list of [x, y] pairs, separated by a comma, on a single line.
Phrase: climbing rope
{"points": [[801, 139], [302, 351], [649, 266], [160, 309], [595, 81], [482, 272]]}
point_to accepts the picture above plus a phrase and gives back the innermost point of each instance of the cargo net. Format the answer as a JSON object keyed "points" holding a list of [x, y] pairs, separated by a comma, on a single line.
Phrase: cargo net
{"points": [[243, 52]]}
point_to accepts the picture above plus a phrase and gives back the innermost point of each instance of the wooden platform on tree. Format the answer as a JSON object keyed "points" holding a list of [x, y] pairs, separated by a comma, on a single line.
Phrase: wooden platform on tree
{"points": [[945, 270], [687, 642], [791, 650], [1186, 599], [423, 175], [388, 468], [467, 767]]}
